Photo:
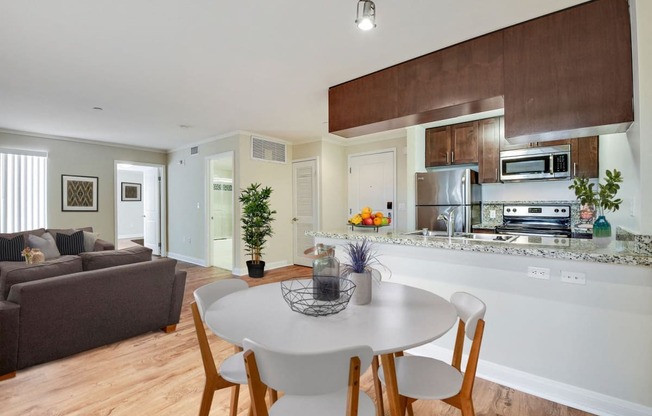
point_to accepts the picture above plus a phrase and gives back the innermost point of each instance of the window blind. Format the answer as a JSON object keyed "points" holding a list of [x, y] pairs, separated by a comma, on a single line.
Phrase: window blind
{"points": [[23, 190]]}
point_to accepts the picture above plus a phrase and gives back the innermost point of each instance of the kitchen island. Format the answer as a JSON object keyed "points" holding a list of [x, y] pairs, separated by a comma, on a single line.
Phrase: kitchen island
{"points": [[586, 345], [618, 252]]}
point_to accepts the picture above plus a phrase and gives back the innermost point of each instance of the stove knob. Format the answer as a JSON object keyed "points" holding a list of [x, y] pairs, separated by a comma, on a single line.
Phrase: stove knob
{"points": [[563, 241], [563, 210], [514, 209], [509, 210], [556, 241], [556, 209]]}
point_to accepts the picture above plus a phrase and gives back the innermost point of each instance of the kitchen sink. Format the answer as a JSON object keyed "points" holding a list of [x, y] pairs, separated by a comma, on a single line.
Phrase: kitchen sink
{"points": [[498, 238]]}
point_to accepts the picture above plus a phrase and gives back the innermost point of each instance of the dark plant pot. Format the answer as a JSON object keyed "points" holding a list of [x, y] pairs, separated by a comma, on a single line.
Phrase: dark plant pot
{"points": [[256, 269]]}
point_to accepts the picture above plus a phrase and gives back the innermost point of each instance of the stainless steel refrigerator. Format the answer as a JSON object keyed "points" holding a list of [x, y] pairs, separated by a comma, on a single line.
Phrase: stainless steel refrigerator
{"points": [[440, 192]]}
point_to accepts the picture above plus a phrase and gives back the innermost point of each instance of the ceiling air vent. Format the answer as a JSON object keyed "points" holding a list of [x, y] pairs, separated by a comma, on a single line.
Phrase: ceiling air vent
{"points": [[267, 150], [194, 150]]}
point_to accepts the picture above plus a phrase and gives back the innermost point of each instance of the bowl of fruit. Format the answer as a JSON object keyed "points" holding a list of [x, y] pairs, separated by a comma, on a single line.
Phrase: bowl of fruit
{"points": [[367, 218]]}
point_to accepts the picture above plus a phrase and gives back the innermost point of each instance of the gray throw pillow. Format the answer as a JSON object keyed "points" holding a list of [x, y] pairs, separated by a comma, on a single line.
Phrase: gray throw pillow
{"points": [[45, 243], [89, 240]]}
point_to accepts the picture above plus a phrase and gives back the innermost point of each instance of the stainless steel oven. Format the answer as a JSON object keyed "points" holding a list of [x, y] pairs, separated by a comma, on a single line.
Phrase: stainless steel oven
{"points": [[537, 224], [538, 163]]}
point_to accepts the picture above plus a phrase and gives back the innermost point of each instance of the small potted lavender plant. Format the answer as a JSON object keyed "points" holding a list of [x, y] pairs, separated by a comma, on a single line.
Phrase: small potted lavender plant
{"points": [[362, 256]]}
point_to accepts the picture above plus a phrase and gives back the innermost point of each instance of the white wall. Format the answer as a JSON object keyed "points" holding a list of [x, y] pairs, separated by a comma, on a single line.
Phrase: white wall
{"points": [[130, 213], [187, 218], [70, 157]]}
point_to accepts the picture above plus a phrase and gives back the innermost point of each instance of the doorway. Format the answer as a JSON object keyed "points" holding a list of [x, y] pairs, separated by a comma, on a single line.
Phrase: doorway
{"points": [[372, 182], [220, 210], [305, 202], [138, 212]]}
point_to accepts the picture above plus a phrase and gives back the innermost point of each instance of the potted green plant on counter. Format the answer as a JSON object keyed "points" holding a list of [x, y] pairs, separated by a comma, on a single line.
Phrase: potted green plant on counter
{"points": [[603, 198], [257, 217]]}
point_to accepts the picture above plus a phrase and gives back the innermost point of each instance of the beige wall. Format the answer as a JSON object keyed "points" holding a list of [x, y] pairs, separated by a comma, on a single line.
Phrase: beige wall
{"points": [[66, 157], [187, 185]]}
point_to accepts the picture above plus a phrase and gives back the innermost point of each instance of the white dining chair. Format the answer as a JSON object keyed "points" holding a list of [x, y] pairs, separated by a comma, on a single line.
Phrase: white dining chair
{"points": [[424, 378], [231, 372], [316, 384]]}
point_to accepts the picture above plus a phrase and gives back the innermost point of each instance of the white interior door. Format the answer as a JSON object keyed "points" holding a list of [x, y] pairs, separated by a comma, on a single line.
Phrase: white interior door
{"points": [[152, 212], [372, 182], [304, 207]]}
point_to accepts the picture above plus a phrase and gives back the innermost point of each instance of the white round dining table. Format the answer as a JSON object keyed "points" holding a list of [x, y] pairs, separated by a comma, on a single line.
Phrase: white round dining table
{"points": [[399, 317]]}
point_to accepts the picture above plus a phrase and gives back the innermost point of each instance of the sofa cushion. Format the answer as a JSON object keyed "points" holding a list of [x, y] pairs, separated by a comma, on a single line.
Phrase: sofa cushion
{"points": [[89, 240], [72, 244], [45, 243], [19, 272], [10, 248], [37, 231], [110, 258]]}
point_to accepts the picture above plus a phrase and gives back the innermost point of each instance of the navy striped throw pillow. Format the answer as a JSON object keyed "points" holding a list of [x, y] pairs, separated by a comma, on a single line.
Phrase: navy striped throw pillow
{"points": [[70, 244], [10, 248]]}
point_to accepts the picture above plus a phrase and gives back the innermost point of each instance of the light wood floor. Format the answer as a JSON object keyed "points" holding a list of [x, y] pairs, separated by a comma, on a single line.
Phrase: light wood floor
{"points": [[161, 374]]}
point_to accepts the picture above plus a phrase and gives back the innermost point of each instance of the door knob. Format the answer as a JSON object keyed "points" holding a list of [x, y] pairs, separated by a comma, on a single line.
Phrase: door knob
{"points": [[295, 219]]}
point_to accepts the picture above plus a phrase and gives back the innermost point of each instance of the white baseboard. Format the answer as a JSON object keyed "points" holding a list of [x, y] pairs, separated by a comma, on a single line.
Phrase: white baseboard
{"points": [[187, 259], [566, 394], [268, 266]]}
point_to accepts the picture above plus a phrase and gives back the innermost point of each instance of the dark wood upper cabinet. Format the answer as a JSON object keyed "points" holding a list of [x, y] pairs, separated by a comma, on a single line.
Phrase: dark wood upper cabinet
{"points": [[569, 73], [366, 101], [438, 146], [460, 75], [463, 79], [489, 134], [452, 145], [584, 157]]}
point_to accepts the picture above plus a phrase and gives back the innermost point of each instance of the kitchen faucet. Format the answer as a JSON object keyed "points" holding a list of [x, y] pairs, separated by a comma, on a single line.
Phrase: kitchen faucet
{"points": [[450, 222]]}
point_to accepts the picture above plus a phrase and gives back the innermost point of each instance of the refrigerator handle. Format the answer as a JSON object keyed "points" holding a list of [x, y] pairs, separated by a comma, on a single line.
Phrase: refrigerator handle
{"points": [[464, 196]]}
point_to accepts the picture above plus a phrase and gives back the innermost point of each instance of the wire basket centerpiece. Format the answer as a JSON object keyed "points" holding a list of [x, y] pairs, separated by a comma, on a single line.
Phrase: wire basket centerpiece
{"points": [[307, 297]]}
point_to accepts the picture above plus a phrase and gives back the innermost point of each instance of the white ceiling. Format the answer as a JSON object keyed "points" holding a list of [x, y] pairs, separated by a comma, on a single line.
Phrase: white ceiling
{"points": [[216, 66]]}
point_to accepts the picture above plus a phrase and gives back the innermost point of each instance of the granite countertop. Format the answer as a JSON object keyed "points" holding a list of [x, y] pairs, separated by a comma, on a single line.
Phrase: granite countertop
{"points": [[617, 252]]}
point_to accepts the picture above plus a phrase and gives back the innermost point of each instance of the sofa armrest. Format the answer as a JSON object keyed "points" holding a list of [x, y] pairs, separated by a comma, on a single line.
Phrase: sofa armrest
{"points": [[9, 315], [178, 289], [101, 245]]}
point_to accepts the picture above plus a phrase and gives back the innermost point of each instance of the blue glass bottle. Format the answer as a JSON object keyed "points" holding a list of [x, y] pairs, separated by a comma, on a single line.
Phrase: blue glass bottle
{"points": [[601, 231]]}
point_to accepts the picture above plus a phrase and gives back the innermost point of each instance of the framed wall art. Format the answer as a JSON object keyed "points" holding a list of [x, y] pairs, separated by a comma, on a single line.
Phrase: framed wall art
{"points": [[130, 191], [79, 193]]}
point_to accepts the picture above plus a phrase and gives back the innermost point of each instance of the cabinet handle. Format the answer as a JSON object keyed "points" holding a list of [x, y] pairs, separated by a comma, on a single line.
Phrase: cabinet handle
{"points": [[447, 158], [496, 174], [574, 169], [452, 157]]}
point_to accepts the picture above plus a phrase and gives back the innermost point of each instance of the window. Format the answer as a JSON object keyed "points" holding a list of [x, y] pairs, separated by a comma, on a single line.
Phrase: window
{"points": [[23, 185]]}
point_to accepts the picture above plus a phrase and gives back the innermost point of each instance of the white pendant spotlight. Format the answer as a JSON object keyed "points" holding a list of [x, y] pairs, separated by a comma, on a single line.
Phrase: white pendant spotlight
{"points": [[366, 17]]}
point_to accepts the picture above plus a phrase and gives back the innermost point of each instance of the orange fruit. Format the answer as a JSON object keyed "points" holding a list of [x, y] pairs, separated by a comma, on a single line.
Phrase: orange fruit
{"points": [[366, 209], [378, 221], [365, 215], [378, 214]]}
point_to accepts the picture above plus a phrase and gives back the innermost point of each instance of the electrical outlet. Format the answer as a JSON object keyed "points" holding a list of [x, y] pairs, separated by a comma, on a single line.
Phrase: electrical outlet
{"points": [[576, 278], [492, 213], [538, 273]]}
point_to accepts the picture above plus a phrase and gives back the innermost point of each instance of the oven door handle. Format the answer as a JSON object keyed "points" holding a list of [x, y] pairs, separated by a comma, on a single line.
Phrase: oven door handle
{"points": [[531, 234]]}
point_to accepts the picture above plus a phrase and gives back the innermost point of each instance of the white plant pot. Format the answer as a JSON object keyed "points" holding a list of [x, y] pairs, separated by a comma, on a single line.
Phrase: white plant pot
{"points": [[362, 293]]}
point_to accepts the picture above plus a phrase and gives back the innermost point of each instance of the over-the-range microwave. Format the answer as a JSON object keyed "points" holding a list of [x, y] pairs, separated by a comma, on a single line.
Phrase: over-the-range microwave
{"points": [[537, 163]]}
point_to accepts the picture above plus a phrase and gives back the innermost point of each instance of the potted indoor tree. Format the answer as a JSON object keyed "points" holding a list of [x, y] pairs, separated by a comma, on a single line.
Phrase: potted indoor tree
{"points": [[603, 198], [257, 217]]}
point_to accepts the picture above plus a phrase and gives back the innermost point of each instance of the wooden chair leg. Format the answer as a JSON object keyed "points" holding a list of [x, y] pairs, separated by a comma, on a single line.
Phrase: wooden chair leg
{"points": [[273, 396], [467, 408], [207, 399], [378, 387], [235, 392], [397, 403], [408, 407]]}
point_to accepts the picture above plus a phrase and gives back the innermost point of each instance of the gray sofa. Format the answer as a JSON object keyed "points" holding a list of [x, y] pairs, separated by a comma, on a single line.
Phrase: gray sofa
{"points": [[75, 303]]}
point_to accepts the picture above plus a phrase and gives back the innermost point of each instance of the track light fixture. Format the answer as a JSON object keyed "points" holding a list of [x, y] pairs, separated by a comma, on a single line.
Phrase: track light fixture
{"points": [[366, 17]]}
